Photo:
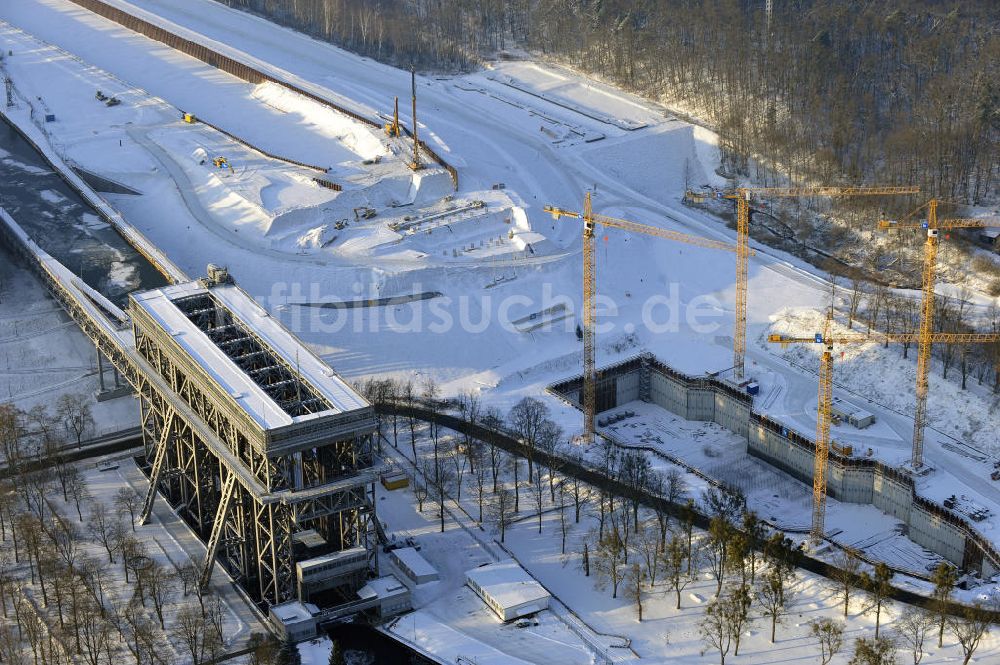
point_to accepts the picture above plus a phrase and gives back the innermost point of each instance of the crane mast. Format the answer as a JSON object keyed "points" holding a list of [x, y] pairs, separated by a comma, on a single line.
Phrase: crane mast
{"points": [[743, 196], [590, 221], [926, 336]]}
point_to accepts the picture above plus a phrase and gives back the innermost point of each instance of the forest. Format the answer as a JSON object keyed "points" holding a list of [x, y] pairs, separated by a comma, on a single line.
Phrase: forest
{"points": [[904, 92]]}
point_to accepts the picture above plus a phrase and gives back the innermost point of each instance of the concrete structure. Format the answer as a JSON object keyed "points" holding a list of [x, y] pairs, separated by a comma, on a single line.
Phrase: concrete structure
{"points": [[507, 589], [392, 595], [293, 621], [851, 480], [413, 566]]}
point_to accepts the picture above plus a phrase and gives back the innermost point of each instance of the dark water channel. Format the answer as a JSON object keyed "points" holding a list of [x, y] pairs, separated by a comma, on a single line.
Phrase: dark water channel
{"points": [[363, 645], [65, 225]]}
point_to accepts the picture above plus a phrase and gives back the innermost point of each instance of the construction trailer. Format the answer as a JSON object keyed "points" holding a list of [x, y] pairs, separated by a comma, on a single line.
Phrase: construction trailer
{"points": [[256, 442], [508, 589], [844, 411]]}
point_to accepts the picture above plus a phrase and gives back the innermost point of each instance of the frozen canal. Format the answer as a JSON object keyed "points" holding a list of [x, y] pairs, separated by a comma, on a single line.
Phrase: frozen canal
{"points": [[65, 225]]}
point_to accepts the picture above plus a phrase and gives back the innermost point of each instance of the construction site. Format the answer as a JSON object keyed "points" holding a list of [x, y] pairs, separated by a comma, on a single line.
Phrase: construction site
{"points": [[396, 264]]}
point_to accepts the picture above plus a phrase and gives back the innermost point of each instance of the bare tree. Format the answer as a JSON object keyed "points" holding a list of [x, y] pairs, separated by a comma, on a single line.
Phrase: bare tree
{"points": [[969, 628], [469, 409], [77, 485], [830, 635], [12, 439], [648, 545], [127, 500], [563, 522], [460, 461], [9, 581], [502, 511], [720, 534], [95, 633], [528, 418], [420, 489], [492, 420], [409, 397], [159, 582], [716, 629], [635, 472], [772, 596], [673, 488], [538, 497], [609, 561], [674, 565], [515, 465], [74, 413], [737, 604], [879, 587], [944, 579], [688, 514], [845, 575], [873, 651], [196, 632], [480, 475], [102, 527], [548, 441], [912, 629], [636, 579], [11, 652]]}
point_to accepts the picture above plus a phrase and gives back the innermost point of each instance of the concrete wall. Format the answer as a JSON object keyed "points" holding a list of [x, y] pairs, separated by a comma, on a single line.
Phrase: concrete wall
{"points": [[851, 480]]}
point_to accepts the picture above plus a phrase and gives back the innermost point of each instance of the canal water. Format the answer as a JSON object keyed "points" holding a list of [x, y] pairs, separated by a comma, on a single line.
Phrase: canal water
{"points": [[65, 225], [363, 645]]}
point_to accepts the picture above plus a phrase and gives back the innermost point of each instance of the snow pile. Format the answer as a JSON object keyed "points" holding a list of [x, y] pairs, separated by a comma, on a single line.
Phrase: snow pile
{"points": [[657, 161], [360, 138]]}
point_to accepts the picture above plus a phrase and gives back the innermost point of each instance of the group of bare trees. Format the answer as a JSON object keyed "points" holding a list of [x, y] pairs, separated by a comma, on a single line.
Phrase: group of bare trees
{"points": [[456, 459], [84, 587], [912, 627], [873, 307], [821, 89], [631, 549]]}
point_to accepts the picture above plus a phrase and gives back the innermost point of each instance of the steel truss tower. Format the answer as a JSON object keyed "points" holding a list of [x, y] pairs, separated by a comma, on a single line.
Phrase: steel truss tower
{"points": [[263, 450]]}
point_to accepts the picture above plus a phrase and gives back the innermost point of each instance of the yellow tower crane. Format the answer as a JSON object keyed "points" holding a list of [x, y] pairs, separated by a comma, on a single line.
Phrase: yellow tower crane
{"points": [[590, 221], [823, 408], [743, 196], [825, 402], [924, 338]]}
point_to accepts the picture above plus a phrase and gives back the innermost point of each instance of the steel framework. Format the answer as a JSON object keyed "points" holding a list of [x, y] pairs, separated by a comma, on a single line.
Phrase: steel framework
{"points": [[243, 486]]}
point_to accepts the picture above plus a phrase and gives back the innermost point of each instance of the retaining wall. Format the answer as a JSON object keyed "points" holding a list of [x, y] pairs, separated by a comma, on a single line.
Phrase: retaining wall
{"points": [[235, 67], [849, 479]]}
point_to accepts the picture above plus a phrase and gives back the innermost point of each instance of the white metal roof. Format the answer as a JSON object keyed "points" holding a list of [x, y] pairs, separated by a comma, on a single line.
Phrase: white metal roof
{"points": [[158, 303], [507, 583], [417, 564], [383, 587]]}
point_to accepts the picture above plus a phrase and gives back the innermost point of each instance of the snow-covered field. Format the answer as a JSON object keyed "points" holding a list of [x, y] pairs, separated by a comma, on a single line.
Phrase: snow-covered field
{"points": [[43, 355], [436, 284], [453, 622]]}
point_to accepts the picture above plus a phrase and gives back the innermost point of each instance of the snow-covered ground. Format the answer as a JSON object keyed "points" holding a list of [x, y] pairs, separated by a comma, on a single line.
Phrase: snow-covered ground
{"points": [[772, 494], [453, 622], [465, 282], [44, 355]]}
